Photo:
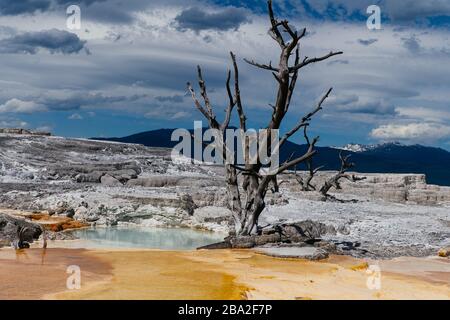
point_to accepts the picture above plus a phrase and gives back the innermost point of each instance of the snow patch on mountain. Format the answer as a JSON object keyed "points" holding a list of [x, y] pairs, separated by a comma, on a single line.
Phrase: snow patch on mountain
{"points": [[357, 148]]}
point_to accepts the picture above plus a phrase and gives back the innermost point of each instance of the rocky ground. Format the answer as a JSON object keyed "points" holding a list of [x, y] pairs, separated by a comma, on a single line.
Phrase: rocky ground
{"points": [[101, 183]]}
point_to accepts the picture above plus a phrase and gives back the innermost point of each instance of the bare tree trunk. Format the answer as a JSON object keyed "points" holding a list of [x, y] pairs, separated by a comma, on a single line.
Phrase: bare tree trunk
{"points": [[330, 183], [307, 186], [276, 185], [246, 207], [234, 203], [334, 180]]}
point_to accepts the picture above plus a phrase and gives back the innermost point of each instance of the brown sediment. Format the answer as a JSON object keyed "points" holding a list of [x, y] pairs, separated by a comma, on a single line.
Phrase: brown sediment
{"points": [[52, 223], [339, 277], [432, 269], [159, 275], [219, 274], [30, 274]]}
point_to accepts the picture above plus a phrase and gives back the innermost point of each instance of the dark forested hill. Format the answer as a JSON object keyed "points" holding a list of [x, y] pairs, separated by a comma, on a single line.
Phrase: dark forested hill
{"points": [[383, 158]]}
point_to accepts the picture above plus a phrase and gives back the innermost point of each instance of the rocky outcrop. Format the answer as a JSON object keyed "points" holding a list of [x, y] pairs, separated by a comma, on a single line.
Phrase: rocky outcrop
{"points": [[112, 205], [163, 181], [110, 181], [397, 188], [430, 195], [122, 172], [155, 182], [9, 226], [215, 197], [299, 233], [212, 214], [92, 177], [23, 132]]}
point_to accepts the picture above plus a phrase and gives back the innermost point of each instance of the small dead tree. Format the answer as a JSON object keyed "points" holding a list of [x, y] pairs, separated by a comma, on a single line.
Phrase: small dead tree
{"points": [[305, 183], [342, 174], [247, 203]]}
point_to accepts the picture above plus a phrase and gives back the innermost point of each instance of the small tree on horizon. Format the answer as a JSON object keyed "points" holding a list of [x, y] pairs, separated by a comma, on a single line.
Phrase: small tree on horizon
{"points": [[248, 201], [334, 181]]}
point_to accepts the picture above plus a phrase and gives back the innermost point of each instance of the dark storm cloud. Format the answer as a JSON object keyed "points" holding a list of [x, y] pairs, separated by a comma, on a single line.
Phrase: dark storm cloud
{"points": [[353, 104], [226, 19], [412, 44], [79, 100], [16, 7], [108, 11], [393, 11], [367, 42], [408, 10], [54, 40], [371, 107]]}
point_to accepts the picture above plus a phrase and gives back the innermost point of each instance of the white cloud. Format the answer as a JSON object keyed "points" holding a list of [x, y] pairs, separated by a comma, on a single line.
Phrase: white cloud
{"points": [[165, 113], [20, 106], [413, 132], [13, 123], [424, 114], [44, 129], [75, 116]]}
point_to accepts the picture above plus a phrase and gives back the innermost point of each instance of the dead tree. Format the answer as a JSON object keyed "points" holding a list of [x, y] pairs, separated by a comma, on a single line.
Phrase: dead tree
{"points": [[305, 183], [247, 203], [342, 174]]}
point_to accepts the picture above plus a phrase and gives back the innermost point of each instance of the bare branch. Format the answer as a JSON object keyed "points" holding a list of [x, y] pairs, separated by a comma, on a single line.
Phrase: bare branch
{"points": [[345, 165], [246, 171], [353, 178], [290, 157], [318, 169], [203, 92], [288, 29], [311, 152], [262, 66], [231, 104], [294, 35], [306, 184], [307, 61], [293, 80], [334, 180], [304, 121], [302, 34], [276, 77], [274, 31], [305, 135], [196, 102], [240, 110]]}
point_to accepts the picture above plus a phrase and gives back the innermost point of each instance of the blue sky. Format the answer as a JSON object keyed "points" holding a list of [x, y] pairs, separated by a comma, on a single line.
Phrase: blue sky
{"points": [[126, 69]]}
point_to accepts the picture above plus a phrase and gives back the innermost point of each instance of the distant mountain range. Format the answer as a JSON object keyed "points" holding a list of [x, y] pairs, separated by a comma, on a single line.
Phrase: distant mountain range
{"points": [[382, 158]]}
